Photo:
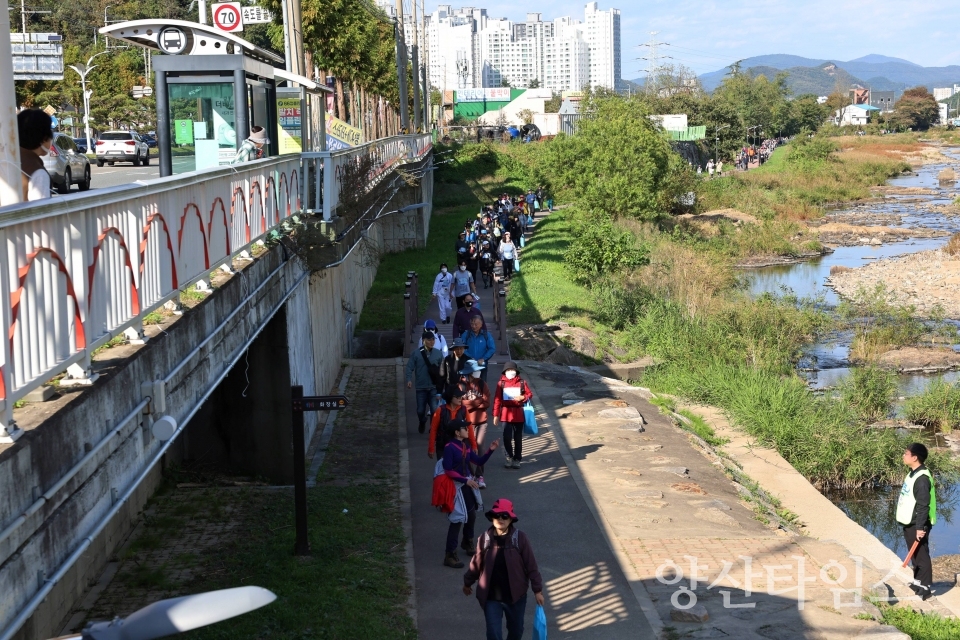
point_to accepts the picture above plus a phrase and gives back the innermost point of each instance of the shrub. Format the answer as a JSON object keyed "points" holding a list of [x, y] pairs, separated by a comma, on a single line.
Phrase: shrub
{"points": [[603, 248], [953, 245], [938, 406], [616, 305], [869, 390], [815, 149]]}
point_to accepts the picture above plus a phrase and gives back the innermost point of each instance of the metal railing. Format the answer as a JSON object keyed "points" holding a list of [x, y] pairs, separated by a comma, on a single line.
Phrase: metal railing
{"points": [[77, 271], [326, 168]]}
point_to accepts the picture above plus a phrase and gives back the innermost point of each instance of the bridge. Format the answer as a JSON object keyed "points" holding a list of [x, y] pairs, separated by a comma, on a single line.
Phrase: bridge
{"points": [[78, 272]]}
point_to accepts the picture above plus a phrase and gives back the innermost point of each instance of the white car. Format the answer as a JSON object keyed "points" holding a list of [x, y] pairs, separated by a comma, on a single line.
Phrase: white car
{"points": [[122, 146]]}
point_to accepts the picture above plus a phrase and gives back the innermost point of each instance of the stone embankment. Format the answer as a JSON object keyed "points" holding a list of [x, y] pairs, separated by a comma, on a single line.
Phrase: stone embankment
{"points": [[926, 280]]}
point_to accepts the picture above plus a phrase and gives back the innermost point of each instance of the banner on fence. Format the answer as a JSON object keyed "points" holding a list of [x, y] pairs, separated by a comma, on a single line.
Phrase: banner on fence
{"points": [[341, 135], [499, 94]]}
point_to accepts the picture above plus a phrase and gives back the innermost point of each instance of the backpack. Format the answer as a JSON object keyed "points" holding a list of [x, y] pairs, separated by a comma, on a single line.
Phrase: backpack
{"points": [[432, 369]]}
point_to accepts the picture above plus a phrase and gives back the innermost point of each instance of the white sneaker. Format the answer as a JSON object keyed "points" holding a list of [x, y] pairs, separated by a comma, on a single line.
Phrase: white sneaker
{"points": [[509, 463], [481, 483]]}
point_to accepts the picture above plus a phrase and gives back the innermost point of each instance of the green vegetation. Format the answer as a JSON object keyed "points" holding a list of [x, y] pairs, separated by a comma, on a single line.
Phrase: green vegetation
{"points": [[869, 391], [938, 406], [920, 626]]}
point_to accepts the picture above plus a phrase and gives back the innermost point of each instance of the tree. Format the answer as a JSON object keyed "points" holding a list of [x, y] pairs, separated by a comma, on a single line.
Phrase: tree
{"points": [[553, 104], [505, 83], [534, 84], [916, 109]]}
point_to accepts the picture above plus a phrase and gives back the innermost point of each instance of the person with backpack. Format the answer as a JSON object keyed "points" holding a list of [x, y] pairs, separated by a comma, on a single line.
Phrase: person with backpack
{"points": [[452, 365], [917, 513], [476, 401], [463, 284], [457, 456], [423, 369], [442, 417], [512, 393], [488, 261], [503, 566], [461, 321]]}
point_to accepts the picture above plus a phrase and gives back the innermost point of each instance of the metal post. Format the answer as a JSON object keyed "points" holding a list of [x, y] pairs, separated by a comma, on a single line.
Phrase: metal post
{"points": [[240, 106], [163, 126], [302, 545], [407, 325], [401, 68], [11, 187], [415, 58]]}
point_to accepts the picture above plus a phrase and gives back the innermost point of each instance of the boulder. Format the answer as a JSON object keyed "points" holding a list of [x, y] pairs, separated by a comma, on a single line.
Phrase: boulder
{"points": [[696, 613]]}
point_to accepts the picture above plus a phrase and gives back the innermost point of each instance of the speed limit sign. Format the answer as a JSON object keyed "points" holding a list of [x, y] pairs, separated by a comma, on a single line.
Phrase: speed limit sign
{"points": [[226, 16]]}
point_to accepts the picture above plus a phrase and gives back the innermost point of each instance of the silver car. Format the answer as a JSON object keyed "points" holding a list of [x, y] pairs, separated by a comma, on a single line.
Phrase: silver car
{"points": [[66, 165], [122, 146]]}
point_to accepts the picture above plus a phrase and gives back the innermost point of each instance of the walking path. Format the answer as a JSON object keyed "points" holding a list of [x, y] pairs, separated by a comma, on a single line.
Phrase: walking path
{"points": [[587, 594]]}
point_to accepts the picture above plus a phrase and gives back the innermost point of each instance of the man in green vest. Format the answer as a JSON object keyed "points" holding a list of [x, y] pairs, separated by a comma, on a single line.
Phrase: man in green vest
{"points": [[917, 512]]}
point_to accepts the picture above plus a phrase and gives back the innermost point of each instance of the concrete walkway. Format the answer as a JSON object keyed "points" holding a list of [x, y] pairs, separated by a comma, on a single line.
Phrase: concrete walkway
{"points": [[587, 594]]}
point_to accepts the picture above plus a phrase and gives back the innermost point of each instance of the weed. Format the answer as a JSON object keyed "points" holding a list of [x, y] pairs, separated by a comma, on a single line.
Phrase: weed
{"points": [[870, 391], [192, 295], [953, 245], [700, 427], [154, 317], [920, 626], [113, 342], [938, 406]]}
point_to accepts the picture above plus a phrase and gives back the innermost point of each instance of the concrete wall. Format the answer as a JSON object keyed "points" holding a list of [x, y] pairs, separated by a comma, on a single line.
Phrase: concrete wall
{"points": [[244, 424]]}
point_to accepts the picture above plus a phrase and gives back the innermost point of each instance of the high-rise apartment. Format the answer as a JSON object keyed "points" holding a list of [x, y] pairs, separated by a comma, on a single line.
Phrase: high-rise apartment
{"points": [[470, 50]]}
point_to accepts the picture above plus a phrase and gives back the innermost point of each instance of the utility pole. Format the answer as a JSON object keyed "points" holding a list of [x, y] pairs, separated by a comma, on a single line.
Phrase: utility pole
{"points": [[415, 51], [426, 69], [82, 70], [402, 68], [11, 188]]}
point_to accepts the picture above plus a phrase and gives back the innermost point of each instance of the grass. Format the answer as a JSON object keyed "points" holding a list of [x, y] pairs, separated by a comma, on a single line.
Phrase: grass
{"points": [[920, 626], [938, 406], [953, 245]]}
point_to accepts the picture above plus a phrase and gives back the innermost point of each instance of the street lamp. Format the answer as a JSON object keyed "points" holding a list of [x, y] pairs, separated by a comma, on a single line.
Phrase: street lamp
{"points": [[82, 70]]}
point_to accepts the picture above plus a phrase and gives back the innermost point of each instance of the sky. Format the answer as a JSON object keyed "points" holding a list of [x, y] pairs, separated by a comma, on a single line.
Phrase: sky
{"points": [[709, 35]]}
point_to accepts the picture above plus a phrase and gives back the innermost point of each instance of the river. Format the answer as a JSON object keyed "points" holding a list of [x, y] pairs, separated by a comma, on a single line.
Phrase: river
{"points": [[825, 363]]}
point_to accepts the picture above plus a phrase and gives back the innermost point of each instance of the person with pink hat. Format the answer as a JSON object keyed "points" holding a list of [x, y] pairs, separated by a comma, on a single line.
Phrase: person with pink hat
{"points": [[503, 566]]}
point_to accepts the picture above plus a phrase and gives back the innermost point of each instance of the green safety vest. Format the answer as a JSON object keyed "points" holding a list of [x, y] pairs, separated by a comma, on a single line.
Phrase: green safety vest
{"points": [[907, 503]]}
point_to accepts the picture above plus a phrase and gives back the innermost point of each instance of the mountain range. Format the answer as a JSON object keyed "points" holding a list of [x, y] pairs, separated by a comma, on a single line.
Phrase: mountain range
{"points": [[821, 77]]}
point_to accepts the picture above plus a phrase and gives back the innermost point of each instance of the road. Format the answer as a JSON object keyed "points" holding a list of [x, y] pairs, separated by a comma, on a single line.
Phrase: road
{"points": [[124, 173]]}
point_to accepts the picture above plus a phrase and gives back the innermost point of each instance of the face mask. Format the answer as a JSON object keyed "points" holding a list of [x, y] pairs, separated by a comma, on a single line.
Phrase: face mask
{"points": [[443, 270], [46, 147], [463, 267], [475, 374], [510, 375]]}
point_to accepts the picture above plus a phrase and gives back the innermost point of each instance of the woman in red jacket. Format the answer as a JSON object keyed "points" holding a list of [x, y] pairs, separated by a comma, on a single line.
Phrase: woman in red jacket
{"points": [[508, 400]]}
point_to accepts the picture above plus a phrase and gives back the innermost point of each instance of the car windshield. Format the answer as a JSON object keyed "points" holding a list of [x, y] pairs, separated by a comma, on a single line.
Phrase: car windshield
{"points": [[120, 135]]}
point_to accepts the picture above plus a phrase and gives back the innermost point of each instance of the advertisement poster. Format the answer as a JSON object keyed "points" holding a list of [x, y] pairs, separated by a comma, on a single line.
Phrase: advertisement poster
{"points": [[183, 131], [288, 126], [341, 135], [223, 123], [499, 94]]}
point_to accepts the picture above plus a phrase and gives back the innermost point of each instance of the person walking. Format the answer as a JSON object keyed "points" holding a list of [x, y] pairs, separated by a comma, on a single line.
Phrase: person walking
{"points": [[457, 456], [461, 321], [480, 345], [476, 401], [463, 284], [511, 394], [487, 262], [508, 253], [503, 566], [252, 146], [442, 417], [917, 513], [35, 130], [440, 342], [720, 168], [423, 369], [710, 166], [441, 292], [452, 365]]}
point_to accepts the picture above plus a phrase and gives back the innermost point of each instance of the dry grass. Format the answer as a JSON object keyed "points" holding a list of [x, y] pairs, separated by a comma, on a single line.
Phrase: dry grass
{"points": [[838, 268], [686, 276], [953, 245]]}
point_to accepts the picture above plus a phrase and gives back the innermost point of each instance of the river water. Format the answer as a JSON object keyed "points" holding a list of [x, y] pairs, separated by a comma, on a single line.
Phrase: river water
{"points": [[825, 363]]}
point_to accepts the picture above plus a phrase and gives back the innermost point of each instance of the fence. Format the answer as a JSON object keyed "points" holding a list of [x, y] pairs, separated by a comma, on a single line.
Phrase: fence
{"points": [[75, 272]]}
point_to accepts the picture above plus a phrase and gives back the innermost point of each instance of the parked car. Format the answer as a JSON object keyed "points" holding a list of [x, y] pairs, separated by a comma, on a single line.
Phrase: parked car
{"points": [[150, 139], [66, 165], [81, 143], [122, 146]]}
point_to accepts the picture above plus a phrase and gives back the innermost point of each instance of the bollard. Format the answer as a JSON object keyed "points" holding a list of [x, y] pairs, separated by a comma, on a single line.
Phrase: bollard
{"points": [[407, 324]]}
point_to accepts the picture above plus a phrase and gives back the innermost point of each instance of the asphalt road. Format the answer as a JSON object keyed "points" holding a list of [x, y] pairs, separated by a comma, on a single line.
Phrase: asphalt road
{"points": [[125, 172]]}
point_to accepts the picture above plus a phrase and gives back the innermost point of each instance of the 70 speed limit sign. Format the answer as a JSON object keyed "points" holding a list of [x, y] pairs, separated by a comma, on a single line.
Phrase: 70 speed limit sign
{"points": [[226, 16]]}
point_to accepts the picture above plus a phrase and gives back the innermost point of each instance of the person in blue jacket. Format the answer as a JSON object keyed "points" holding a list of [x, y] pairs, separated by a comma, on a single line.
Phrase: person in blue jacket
{"points": [[480, 344]]}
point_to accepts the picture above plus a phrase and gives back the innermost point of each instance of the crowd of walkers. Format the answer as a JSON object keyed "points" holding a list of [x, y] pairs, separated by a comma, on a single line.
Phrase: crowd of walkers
{"points": [[454, 398]]}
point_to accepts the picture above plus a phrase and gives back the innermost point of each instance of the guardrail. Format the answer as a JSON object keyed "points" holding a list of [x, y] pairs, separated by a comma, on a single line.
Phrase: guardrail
{"points": [[77, 271], [326, 168]]}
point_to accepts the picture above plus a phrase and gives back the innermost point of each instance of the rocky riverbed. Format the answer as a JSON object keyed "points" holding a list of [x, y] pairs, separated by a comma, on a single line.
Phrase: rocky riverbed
{"points": [[926, 280]]}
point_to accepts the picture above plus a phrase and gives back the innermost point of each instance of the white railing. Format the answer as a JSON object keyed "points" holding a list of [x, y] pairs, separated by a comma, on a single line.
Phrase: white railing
{"points": [[77, 271], [387, 154]]}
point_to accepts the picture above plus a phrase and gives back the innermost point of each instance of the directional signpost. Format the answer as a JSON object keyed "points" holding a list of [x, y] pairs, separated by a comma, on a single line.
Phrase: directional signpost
{"points": [[303, 403]]}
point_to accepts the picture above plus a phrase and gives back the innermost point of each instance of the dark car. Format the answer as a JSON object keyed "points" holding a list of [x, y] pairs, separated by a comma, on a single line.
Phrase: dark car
{"points": [[81, 143], [150, 139]]}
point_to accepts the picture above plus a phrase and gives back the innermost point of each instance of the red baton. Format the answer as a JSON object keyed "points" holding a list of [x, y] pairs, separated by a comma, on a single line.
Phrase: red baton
{"points": [[910, 555]]}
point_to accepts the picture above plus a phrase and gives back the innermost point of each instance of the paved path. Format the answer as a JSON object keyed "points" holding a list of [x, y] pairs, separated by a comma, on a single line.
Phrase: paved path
{"points": [[587, 593]]}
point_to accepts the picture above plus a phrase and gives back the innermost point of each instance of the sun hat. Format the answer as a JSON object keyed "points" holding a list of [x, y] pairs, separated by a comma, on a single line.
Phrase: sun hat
{"points": [[457, 342], [471, 366], [510, 364], [502, 505]]}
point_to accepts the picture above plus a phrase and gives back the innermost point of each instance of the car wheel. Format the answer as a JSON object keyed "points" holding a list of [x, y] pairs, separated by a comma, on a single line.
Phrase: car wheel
{"points": [[99, 162], [67, 179], [85, 185], [110, 163], [146, 159], [136, 160]]}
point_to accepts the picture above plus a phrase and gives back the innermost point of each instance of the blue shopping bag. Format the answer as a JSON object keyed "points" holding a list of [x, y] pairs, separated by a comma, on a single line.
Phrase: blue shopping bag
{"points": [[540, 624], [523, 242], [529, 419], [516, 265]]}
